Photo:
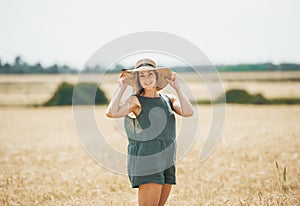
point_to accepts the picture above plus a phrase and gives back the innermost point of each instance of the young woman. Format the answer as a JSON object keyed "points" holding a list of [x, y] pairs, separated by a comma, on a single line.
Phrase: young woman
{"points": [[152, 131]]}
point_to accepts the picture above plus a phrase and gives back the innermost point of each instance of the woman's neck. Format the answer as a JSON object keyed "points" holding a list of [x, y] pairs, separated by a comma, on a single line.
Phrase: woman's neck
{"points": [[151, 92]]}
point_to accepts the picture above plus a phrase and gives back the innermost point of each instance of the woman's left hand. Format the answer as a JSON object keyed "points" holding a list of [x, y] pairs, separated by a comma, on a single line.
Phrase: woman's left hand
{"points": [[173, 81]]}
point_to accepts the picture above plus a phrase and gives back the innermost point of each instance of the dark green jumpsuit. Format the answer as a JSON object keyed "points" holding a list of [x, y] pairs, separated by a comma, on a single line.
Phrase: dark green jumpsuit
{"points": [[152, 142]]}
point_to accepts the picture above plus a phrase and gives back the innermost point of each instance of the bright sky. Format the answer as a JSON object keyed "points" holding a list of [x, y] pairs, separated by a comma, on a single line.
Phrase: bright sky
{"points": [[228, 32]]}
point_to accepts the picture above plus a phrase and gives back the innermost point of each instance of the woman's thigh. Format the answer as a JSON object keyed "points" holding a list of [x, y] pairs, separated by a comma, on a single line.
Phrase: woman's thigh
{"points": [[166, 189], [149, 194]]}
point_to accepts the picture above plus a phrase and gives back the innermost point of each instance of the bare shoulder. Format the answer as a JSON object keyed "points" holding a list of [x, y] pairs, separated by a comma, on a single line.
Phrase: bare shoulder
{"points": [[171, 97], [133, 100]]}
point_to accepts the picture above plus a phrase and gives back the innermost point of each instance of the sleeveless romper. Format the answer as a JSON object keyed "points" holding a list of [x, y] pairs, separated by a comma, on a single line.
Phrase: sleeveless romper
{"points": [[151, 142]]}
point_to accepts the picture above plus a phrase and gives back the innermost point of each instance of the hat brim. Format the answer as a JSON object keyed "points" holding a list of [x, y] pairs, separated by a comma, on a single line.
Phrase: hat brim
{"points": [[164, 73]]}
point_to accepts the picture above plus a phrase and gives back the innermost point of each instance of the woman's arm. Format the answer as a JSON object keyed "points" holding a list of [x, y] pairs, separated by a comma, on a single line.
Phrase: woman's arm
{"points": [[182, 106], [116, 110]]}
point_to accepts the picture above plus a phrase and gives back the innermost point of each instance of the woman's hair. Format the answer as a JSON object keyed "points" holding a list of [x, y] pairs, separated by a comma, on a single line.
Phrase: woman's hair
{"points": [[139, 89]]}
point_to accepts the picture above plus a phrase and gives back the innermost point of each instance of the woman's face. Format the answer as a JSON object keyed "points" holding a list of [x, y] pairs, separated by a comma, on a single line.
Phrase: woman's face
{"points": [[147, 79]]}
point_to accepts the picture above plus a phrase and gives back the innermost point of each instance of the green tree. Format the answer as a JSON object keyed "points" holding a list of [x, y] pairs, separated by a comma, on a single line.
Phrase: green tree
{"points": [[84, 95]]}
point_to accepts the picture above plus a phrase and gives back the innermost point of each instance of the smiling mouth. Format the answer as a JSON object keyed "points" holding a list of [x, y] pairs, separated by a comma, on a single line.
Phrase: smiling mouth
{"points": [[149, 84]]}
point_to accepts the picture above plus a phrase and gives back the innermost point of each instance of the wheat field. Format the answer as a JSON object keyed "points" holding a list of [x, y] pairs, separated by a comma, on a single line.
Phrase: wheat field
{"points": [[22, 90], [257, 161]]}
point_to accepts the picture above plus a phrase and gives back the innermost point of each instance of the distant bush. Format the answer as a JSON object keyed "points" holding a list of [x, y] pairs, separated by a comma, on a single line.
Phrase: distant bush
{"points": [[284, 101], [84, 95], [240, 96], [243, 97]]}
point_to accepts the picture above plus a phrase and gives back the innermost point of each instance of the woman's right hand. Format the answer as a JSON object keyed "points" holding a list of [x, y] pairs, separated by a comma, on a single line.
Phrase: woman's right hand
{"points": [[122, 81]]}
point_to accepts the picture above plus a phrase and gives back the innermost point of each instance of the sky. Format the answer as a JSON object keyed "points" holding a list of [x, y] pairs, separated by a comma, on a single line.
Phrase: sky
{"points": [[229, 32]]}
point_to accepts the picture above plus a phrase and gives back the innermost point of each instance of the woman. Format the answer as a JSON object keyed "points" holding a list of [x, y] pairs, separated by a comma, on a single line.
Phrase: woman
{"points": [[152, 131]]}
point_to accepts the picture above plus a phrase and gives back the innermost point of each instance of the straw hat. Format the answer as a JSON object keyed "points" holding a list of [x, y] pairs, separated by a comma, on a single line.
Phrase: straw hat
{"points": [[147, 64]]}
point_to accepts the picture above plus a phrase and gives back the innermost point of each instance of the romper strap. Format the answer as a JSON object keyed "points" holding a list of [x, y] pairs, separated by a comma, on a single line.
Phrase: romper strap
{"points": [[167, 100]]}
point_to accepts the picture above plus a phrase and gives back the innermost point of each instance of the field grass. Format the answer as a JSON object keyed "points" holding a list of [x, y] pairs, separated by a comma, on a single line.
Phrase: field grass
{"points": [[257, 162], [16, 90], [43, 163]]}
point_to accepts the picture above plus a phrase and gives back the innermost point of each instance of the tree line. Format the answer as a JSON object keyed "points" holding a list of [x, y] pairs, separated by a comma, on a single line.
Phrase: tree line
{"points": [[21, 67]]}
